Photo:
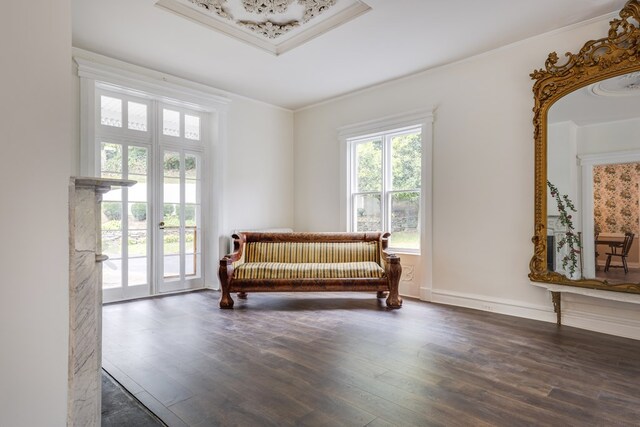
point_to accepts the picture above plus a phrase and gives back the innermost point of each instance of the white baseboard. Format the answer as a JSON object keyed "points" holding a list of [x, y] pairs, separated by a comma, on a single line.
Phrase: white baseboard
{"points": [[494, 305], [425, 294], [628, 328]]}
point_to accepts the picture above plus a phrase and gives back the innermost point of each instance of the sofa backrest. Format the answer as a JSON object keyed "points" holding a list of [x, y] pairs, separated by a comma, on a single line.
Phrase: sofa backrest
{"points": [[312, 252]]}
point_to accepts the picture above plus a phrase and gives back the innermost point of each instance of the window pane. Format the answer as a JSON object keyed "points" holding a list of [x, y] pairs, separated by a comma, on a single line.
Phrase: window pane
{"points": [[137, 243], [112, 244], [191, 166], [137, 116], [172, 267], [138, 216], [192, 265], [111, 274], [171, 190], [114, 195], [111, 160], [171, 242], [406, 161], [137, 160], [170, 122], [137, 271], [192, 191], [171, 215], [110, 111], [367, 212], [369, 166], [171, 164], [405, 214], [138, 192], [111, 215], [192, 127], [191, 215], [191, 240]]}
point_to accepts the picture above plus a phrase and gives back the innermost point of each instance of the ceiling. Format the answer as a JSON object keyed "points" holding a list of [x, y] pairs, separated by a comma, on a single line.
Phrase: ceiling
{"points": [[393, 39], [611, 100]]}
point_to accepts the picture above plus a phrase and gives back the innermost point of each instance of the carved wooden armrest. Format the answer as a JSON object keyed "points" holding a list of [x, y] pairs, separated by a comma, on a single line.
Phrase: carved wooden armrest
{"points": [[236, 255], [388, 258]]}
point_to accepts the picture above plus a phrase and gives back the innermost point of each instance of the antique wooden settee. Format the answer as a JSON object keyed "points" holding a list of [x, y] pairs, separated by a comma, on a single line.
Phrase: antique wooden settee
{"points": [[310, 262]]}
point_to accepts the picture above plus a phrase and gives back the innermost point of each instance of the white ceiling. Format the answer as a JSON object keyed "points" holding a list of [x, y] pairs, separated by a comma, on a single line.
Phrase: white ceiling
{"points": [[394, 39], [590, 105]]}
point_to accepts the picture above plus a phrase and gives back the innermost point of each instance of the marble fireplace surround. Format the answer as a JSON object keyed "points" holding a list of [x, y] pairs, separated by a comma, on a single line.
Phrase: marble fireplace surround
{"points": [[85, 298]]}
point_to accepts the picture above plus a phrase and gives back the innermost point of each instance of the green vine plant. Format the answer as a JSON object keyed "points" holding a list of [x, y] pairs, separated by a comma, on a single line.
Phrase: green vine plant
{"points": [[570, 238]]}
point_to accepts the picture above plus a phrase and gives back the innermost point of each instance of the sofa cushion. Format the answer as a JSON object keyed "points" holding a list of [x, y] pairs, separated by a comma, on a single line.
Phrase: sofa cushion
{"points": [[311, 252], [279, 270]]}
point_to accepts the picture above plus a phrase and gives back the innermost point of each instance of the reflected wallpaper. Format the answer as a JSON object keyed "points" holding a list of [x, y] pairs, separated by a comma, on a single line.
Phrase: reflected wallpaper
{"points": [[615, 194]]}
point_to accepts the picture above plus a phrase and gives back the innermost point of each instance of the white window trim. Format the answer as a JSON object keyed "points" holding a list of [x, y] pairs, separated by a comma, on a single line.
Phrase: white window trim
{"points": [[425, 119], [145, 83]]}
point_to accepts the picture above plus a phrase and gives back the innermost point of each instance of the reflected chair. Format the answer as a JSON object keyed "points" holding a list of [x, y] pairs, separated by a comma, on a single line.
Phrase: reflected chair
{"points": [[624, 252]]}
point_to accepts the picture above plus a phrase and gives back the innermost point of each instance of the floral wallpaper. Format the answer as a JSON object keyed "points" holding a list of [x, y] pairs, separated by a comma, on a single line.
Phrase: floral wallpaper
{"points": [[615, 194]]}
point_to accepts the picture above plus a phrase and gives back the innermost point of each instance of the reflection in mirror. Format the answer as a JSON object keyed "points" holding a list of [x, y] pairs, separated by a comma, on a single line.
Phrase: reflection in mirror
{"points": [[593, 157]]}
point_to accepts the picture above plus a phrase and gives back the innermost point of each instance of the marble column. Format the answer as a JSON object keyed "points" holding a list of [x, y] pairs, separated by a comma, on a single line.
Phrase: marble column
{"points": [[85, 299]]}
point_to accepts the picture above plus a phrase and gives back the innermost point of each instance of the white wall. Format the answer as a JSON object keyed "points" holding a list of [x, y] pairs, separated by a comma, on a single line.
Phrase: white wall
{"points": [[35, 141], [562, 163], [483, 170], [609, 137], [259, 169]]}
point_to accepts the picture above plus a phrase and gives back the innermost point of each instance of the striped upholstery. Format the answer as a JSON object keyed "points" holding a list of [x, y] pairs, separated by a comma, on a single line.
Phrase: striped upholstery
{"points": [[279, 270], [312, 252]]}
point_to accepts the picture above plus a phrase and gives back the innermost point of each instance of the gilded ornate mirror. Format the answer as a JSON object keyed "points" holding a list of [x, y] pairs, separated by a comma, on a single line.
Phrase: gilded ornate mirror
{"points": [[587, 163]]}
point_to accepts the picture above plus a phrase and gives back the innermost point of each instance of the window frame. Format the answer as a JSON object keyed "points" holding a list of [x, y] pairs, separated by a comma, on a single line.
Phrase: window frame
{"points": [[390, 126], [386, 190]]}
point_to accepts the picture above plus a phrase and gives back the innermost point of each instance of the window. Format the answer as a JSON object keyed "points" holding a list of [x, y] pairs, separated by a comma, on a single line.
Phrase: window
{"points": [[385, 180]]}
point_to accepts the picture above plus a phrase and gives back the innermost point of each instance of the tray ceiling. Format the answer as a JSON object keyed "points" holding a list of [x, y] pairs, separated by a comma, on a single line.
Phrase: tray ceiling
{"points": [[394, 38], [273, 25]]}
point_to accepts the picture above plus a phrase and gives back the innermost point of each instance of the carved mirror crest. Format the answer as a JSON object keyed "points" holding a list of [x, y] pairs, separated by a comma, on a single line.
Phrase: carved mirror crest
{"points": [[587, 162]]}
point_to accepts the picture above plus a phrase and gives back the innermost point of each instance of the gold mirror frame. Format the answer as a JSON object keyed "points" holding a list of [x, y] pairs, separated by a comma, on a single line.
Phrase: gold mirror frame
{"points": [[614, 55]]}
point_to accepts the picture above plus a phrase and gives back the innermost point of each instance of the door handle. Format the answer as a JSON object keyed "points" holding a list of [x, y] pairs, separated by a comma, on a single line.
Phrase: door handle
{"points": [[161, 225]]}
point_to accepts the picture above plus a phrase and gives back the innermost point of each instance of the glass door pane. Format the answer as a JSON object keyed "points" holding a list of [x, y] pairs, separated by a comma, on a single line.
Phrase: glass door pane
{"points": [[125, 228], [112, 224], [192, 213], [180, 230], [137, 217], [171, 216]]}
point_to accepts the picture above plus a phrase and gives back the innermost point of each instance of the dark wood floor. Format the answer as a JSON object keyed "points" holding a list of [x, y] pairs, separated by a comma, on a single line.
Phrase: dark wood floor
{"points": [[617, 275], [343, 359]]}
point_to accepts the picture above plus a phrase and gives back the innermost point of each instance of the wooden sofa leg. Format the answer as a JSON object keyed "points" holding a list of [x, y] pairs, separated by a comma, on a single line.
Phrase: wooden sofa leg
{"points": [[395, 270], [381, 294], [224, 274], [242, 295]]}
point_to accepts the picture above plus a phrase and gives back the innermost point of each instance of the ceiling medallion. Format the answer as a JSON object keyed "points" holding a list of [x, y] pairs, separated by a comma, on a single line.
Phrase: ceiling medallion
{"points": [[266, 6], [626, 85], [268, 29], [215, 6]]}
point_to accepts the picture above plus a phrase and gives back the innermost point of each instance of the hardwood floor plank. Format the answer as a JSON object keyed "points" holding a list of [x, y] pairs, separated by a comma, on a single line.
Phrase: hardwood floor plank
{"points": [[343, 359]]}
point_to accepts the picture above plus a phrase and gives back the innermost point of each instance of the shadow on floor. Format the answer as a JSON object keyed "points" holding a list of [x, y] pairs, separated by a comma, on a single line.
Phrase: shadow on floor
{"points": [[119, 408]]}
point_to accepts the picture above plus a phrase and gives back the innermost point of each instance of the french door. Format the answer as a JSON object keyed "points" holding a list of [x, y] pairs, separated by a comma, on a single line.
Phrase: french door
{"points": [[151, 232], [180, 227]]}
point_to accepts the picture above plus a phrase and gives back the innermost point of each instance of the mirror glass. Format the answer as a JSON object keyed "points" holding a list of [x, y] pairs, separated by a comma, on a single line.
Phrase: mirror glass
{"points": [[593, 165]]}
